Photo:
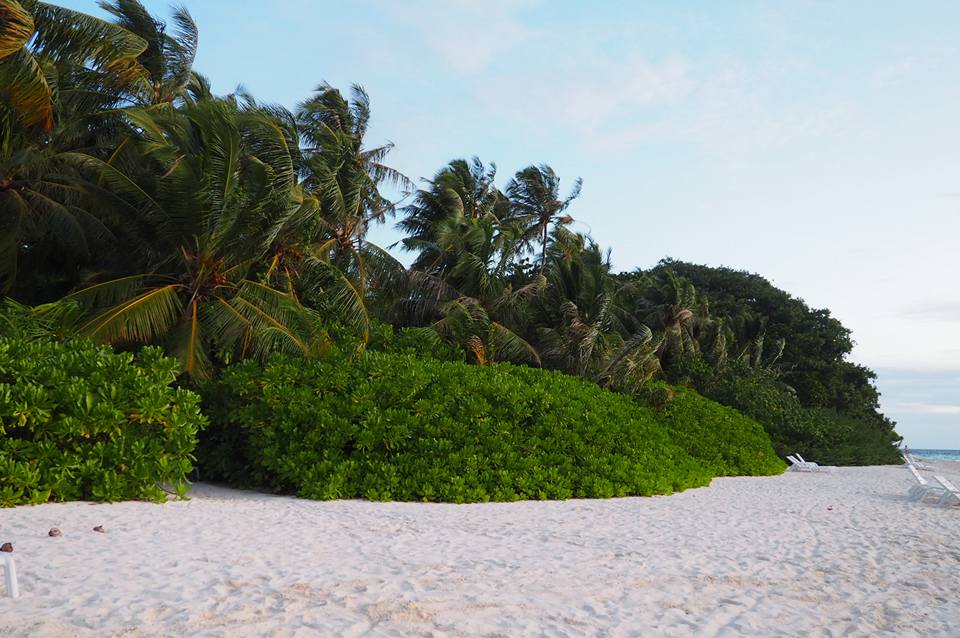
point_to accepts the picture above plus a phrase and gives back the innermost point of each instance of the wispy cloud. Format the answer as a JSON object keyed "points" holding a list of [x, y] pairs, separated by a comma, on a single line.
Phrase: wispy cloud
{"points": [[924, 408], [463, 35], [934, 311], [612, 101], [585, 93], [907, 66]]}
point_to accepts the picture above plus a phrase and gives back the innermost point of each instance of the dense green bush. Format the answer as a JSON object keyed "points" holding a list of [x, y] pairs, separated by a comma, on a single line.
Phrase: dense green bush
{"points": [[726, 441], [853, 440], [79, 421], [817, 433], [394, 426]]}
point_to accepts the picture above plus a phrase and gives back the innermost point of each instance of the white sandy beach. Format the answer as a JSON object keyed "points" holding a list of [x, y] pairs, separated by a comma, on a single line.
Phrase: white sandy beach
{"points": [[798, 554]]}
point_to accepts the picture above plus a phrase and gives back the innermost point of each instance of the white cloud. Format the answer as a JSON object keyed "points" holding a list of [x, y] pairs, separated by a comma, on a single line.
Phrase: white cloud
{"points": [[614, 101], [587, 94], [464, 35], [948, 311], [907, 66], [924, 408]]}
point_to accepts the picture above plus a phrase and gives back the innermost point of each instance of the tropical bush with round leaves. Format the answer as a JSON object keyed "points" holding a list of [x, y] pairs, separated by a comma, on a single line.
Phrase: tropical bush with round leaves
{"points": [[81, 422], [387, 426], [726, 441]]}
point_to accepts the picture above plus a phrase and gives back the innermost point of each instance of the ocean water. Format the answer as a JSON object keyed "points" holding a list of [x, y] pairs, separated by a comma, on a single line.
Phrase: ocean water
{"points": [[946, 455]]}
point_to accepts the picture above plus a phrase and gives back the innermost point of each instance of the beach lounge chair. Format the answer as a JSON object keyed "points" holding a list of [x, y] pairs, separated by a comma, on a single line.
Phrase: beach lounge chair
{"points": [[923, 488], [950, 491], [10, 575], [813, 466], [920, 465], [797, 465]]}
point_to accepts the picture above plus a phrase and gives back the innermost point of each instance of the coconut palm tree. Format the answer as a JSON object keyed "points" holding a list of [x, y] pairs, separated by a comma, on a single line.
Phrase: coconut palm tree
{"points": [[584, 317], [212, 185], [470, 300], [40, 43], [333, 130], [534, 194], [461, 189], [339, 261], [60, 73], [670, 306], [167, 60], [48, 229]]}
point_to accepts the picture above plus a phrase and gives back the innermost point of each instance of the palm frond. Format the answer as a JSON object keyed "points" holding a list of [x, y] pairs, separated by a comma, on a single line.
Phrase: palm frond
{"points": [[140, 319], [189, 344], [508, 345], [16, 28], [331, 287], [23, 82]]}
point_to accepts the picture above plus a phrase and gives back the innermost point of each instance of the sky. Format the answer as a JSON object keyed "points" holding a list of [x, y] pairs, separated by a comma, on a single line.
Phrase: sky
{"points": [[815, 143]]}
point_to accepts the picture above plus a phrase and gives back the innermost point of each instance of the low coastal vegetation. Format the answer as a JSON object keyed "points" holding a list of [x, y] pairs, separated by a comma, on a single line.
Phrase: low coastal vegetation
{"points": [[80, 422], [397, 426], [725, 441], [138, 209]]}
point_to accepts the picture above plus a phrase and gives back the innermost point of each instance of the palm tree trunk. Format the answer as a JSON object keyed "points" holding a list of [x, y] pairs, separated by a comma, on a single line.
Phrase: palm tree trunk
{"points": [[543, 252]]}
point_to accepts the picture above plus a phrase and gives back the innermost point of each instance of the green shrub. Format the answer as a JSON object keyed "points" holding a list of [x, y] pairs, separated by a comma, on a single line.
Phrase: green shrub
{"points": [[853, 440], [724, 440], [820, 434], [394, 426], [79, 421]]}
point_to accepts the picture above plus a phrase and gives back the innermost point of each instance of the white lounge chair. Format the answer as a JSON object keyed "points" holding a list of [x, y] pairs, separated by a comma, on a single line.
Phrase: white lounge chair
{"points": [[920, 465], [814, 466], [10, 575], [950, 491], [923, 488], [797, 465]]}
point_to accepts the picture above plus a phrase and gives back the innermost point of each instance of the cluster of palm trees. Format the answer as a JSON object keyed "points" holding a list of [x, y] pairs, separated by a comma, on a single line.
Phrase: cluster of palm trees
{"points": [[224, 228]]}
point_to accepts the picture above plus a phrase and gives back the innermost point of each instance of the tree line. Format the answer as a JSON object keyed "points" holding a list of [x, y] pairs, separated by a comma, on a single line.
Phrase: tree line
{"points": [[138, 207]]}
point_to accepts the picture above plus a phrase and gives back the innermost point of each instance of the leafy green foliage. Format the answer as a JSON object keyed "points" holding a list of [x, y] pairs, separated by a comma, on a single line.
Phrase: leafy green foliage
{"points": [[388, 426], [78, 421], [420, 342], [826, 435], [139, 208], [853, 440], [815, 343], [724, 440]]}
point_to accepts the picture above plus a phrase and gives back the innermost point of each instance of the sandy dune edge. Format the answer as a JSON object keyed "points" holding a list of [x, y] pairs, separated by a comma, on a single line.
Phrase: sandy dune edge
{"points": [[798, 554]]}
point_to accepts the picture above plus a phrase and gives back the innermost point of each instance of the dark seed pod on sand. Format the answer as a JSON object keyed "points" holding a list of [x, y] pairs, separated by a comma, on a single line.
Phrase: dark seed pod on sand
{"points": [[6, 547], [54, 532], [99, 528]]}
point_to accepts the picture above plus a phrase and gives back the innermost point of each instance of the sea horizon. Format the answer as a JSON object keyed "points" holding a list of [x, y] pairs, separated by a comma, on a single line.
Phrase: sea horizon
{"points": [[936, 453]]}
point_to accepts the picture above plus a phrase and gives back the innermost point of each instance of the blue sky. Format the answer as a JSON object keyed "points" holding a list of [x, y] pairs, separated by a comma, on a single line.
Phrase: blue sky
{"points": [[816, 143]]}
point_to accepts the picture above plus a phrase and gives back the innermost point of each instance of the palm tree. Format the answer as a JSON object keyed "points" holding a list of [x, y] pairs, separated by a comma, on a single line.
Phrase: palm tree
{"points": [[47, 227], [534, 193], [470, 300], [670, 305], [59, 76], [345, 177], [167, 60], [333, 130], [336, 261], [39, 43], [212, 186], [584, 318], [460, 189]]}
